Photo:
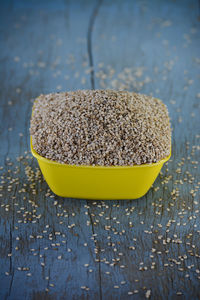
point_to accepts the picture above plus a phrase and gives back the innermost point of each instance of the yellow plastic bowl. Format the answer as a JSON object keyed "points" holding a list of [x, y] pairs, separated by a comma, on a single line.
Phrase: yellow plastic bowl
{"points": [[98, 182]]}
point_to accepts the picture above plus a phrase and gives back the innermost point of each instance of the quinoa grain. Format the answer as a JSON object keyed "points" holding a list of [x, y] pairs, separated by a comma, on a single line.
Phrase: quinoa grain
{"points": [[100, 127]]}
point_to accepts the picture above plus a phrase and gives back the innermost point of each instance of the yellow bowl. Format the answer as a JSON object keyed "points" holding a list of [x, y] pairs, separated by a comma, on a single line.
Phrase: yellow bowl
{"points": [[98, 182]]}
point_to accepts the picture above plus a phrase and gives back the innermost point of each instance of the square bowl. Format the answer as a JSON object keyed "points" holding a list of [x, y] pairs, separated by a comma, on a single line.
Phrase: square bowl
{"points": [[98, 182]]}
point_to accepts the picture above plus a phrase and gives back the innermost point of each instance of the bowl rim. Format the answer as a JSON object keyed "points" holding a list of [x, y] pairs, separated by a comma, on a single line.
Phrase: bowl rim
{"points": [[52, 162]]}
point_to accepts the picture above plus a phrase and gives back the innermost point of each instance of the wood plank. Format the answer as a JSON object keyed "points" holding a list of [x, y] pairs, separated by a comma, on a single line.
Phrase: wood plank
{"points": [[45, 50]]}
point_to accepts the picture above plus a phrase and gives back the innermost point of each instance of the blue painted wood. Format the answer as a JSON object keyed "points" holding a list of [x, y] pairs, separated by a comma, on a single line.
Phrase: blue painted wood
{"points": [[113, 248]]}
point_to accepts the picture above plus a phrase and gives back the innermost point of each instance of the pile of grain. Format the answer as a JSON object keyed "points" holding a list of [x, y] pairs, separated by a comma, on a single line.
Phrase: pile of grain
{"points": [[100, 127]]}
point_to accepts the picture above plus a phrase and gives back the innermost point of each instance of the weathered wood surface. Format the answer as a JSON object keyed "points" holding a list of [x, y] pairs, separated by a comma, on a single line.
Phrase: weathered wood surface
{"points": [[150, 244]]}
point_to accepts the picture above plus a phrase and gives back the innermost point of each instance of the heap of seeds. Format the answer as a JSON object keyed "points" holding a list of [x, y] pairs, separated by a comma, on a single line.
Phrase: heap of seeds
{"points": [[100, 127]]}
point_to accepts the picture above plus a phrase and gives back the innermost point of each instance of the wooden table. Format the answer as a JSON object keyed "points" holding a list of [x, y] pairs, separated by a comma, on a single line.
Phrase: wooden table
{"points": [[55, 248]]}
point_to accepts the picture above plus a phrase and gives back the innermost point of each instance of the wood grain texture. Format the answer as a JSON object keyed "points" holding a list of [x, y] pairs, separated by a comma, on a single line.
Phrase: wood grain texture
{"points": [[114, 247]]}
